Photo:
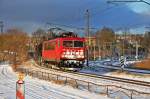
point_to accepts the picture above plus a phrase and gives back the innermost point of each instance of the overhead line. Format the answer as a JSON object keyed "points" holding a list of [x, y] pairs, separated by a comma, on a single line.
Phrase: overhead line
{"points": [[82, 28]]}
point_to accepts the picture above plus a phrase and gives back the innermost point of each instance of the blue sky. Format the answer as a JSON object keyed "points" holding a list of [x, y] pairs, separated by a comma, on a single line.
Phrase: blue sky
{"points": [[32, 14]]}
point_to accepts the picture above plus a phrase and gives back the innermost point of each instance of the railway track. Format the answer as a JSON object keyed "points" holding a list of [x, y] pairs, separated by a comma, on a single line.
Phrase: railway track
{"points": [[137, 82], [110, 78]]}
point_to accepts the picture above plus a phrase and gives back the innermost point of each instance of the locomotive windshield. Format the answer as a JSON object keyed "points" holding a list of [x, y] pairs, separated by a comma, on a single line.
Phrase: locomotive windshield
{"points": [[73, 43], [78, 44], [68, 43]]}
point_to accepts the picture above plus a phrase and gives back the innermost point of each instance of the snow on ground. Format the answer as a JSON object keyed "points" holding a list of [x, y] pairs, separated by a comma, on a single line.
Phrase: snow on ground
{"points": [[95, 80], [39, 89]]}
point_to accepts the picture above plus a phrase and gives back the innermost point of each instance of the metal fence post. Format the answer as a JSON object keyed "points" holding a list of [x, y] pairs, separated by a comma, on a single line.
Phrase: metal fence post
{"points": [[45, 76], [48, 77], [57, 77], [36, 73], [88, 86], [76, 83], [131, 94], [107, 90], [66, 81], [42, 74]]}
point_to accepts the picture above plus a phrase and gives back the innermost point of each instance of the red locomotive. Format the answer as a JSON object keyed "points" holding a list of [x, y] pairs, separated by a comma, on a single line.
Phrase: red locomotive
{"points": [[67, 51]]}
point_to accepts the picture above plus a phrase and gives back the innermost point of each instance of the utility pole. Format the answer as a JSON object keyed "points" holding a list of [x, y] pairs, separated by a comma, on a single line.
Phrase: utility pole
{"points": [[1, 26], [94, 47], [99, 50], [136, 47], [136, 57], [87, 31]]}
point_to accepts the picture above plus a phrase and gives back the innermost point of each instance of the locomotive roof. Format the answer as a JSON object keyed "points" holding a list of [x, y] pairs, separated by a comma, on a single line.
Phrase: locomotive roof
{"points": [[68, 38]]}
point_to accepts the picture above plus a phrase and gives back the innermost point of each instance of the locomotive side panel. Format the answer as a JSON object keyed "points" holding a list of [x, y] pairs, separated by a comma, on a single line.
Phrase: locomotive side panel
{"points": [[49, 50]]}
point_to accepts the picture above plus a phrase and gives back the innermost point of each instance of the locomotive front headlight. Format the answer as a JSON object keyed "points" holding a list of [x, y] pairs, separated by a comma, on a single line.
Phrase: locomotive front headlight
{"points": [[67, 52], [82, 57], [77, 53], [64, 53], [66, 56]]}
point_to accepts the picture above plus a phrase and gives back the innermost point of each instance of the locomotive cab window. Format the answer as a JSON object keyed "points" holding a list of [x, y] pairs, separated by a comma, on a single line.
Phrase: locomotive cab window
{"points": [[73, 44], [68, 43], [78, 44]]}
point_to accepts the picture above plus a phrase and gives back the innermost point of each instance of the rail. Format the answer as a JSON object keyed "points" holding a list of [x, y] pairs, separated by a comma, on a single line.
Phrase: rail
{"points": [[125, 80]]}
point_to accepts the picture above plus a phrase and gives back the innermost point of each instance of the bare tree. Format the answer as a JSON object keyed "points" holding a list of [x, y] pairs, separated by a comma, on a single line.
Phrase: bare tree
{"points": [[37, 38], [104, 39], [14, 45]]}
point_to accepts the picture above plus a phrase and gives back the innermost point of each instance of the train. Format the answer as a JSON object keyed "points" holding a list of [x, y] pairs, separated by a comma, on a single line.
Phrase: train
{"points": [[67, 51]]}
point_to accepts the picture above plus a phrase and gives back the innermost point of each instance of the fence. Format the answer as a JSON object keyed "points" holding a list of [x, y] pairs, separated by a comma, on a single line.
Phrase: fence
{"points": [[111, 91]]}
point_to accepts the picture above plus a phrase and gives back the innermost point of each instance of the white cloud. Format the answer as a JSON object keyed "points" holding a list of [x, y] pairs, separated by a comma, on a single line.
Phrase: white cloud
{"points": [[140, 7]]}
